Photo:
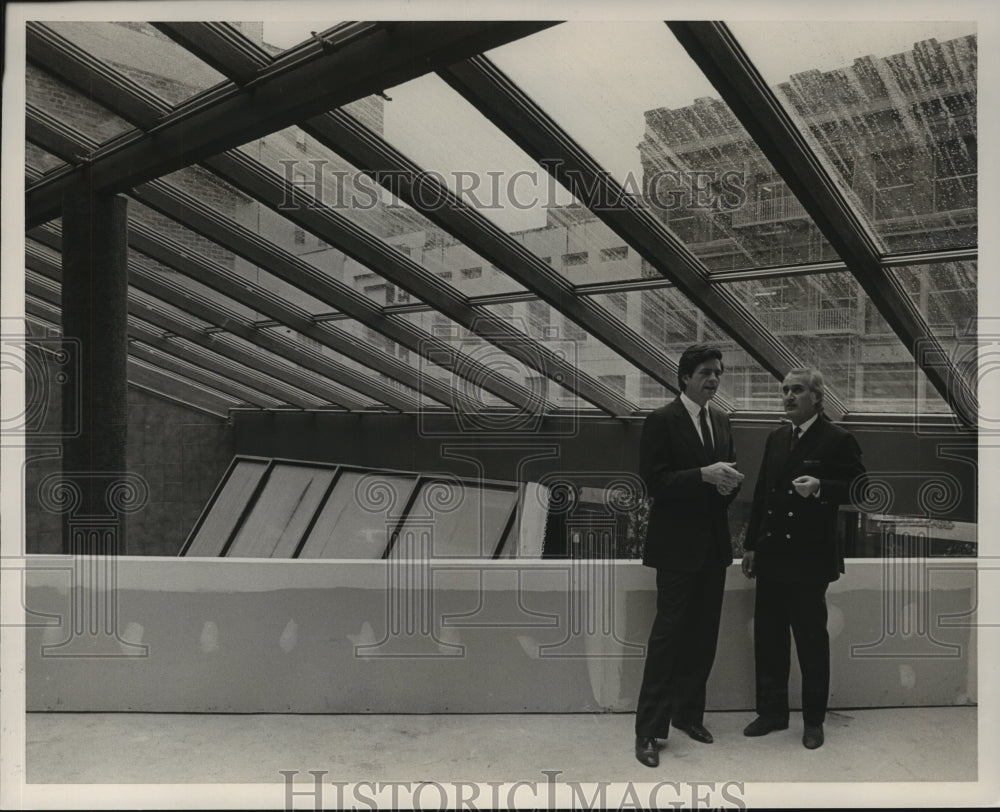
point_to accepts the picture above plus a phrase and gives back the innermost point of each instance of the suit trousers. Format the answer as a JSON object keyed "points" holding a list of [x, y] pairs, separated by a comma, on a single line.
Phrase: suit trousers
{"points": [[681, 649], [800, 607]]}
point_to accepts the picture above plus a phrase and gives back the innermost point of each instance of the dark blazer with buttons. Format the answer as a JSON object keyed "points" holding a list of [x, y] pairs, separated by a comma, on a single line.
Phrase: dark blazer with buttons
{"points": [[688, 524], [794, 538]]}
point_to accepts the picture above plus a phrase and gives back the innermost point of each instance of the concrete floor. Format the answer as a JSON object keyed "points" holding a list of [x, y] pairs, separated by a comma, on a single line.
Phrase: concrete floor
{"points": [[885, 745]]}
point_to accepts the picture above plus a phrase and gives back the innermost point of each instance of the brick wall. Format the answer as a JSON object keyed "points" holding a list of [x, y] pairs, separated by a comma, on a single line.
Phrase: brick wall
{"points": [[181, 453]]}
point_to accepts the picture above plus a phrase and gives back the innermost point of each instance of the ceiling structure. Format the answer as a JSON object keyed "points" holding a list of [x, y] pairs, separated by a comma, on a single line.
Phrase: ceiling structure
{"points": [[250, 287]]}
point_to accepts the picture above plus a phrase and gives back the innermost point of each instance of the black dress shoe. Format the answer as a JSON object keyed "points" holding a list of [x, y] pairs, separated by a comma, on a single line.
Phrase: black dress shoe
{"points": [[696, 731], [812, 736], [647, 751], [761, 726]]}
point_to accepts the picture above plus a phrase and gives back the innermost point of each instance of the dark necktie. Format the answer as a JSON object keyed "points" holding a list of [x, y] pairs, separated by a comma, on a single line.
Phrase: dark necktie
{"points": [[706, 435], [796, 433]]}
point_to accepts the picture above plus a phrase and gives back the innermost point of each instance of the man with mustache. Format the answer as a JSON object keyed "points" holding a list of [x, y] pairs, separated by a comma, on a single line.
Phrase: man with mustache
{"points": [[792, 550], [686, 459]]}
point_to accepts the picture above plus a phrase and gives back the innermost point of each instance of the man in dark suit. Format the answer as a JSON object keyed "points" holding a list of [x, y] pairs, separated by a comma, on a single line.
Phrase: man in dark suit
{"points": [[792, 549], [686, 460]]}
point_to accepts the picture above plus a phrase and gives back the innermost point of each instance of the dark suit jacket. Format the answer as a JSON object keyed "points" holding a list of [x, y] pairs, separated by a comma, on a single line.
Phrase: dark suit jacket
{"points": [[794, 538], [688, 524]]}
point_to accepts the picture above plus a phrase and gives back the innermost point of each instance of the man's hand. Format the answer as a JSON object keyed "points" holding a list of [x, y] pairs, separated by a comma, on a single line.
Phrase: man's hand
{"points": [[805, 485], [721, 473], [725, 490], [748, 569]]}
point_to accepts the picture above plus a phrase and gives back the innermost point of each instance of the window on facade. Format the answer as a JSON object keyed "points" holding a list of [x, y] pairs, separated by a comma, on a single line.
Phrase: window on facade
{"points": [[614, 254], [615, 382], [955, 174], [471, 273], [577, 258], [572, 331], [538, 318], [893, 173], [299, 236]]}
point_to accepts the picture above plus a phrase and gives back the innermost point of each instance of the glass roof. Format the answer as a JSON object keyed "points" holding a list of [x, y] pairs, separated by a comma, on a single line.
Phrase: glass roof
{"points": [[889, 108], [148, 57], [657, 125]]}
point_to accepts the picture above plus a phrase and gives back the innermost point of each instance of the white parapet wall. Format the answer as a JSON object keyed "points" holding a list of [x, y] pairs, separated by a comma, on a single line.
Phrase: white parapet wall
{"points": [[325, 636]]}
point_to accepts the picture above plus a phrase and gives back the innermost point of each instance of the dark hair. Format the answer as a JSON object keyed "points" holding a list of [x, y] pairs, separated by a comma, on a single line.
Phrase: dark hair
{"points": [[694, 355]]}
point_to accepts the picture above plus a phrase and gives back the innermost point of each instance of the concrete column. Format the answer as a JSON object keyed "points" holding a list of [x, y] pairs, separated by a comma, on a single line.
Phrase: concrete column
{"points": [[94, 312]]}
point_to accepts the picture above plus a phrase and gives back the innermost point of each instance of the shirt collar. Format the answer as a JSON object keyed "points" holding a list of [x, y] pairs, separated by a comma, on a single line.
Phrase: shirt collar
{"points": [[693, 408], [805, 426]]}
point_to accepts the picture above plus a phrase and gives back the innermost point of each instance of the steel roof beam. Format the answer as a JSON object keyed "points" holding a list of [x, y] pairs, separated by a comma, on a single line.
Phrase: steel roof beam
{"points": [[336, 229], [142, 341], [177, 205], [491, 92], [264, 367], [229, 51], [717, 52], [380, 56], [216, 312], [242, 172]]}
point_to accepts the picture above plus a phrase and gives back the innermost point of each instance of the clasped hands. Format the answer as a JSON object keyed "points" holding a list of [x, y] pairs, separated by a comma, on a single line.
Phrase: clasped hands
{"points": [[805, 485], [723, 475]]}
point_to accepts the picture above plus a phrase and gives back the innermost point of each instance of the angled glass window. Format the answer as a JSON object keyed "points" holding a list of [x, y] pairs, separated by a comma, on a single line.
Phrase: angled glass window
{"points": [[945, 293], [453, 519], [229, 204], [70, 107], [475, 349], [227, 387], [890, 107], [146, 56], [38, 159], [226, 509], [670, 323], [445, 135], [306, 164], [357, 517], [282, 512], [544, 324], [828, 321], [643, 110], [309, 344]]}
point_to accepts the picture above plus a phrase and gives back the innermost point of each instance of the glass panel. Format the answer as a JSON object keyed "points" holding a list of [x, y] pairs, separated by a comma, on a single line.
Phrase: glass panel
{"points": [[281, 34], [282, 512], [302, 162], [583, 351], [225, 385], [226, 508], [373, 338], [828, 321], [475, 349], [233, 205], [656, 124], [353, 522], [144, 55], [670, 323], [310, 380], [945, 293], [73, 109], [434, 126], [312, 345], [891, 108], [454, 520], [40, 160]]}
